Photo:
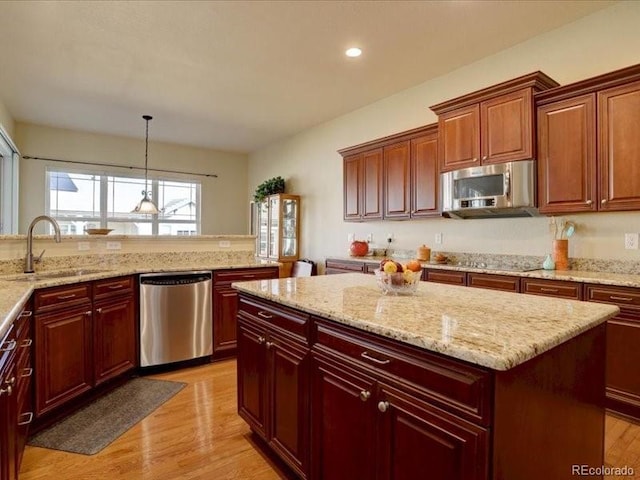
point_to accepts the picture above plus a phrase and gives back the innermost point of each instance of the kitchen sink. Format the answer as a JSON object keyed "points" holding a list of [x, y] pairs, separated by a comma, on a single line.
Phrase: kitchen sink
{"points": [[34, 277]]}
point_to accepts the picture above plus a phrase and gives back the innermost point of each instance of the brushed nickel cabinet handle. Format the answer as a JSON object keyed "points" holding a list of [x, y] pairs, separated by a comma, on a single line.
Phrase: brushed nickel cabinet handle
{"points": [[114, 287], [485, 157], [374, 360], [248, 275], [622, 299], [552, 290], [264, 314], [88, 313], [364, 395], [27, 372], [10, 345], [603, 201], [99, 310], [26, 343], [65, 297], [589, 202], [261, 340], [474, 159], [26, 422], [8, 390], [383, 406], [26, 313], [270, 344], [11, 381]]}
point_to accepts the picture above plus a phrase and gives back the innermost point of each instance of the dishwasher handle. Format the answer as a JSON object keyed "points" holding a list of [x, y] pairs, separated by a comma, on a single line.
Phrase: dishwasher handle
{"points": [[171, 279]]}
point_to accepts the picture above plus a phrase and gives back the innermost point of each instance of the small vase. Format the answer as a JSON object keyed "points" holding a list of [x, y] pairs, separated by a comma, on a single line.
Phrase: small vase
{"points": [[561, 254], [548, 263]]}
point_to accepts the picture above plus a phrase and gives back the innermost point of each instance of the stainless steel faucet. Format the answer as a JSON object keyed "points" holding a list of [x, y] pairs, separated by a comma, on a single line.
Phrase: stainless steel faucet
{"points": [[29, 259]]}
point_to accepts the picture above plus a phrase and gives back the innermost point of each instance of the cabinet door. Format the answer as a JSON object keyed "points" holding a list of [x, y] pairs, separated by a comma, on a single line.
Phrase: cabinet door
{"points": [[352, 171], [64, 357], [225, 311], [623, 364], [343, 422], [425, 179], [8, 416], [397, 178], [619, 147], [459, 145], [252, 375], [288, 388], [566, 156], [506, 126], [445, 276], [114, 338], [372, 185], [417, 440]]}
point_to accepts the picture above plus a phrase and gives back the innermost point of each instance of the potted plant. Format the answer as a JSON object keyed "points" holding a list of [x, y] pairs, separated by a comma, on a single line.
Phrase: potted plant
{"points": [[268, 187]]}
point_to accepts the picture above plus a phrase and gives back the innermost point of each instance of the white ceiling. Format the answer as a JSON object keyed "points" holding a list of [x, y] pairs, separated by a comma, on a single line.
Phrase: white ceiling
{"points": [[238, 75]]}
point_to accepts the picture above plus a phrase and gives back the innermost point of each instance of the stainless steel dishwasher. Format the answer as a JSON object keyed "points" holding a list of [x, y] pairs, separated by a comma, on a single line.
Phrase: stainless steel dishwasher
{"points": [[175, 317]]}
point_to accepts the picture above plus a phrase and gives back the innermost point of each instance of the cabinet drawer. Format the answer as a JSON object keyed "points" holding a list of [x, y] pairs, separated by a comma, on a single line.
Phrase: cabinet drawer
{"points": [[627, 298], [494, 282], [446, 276], [290, 321], [344, 265], [112, 286], [452, 385], [552, 288], [23, 321], [62, 297], [243, 275]]}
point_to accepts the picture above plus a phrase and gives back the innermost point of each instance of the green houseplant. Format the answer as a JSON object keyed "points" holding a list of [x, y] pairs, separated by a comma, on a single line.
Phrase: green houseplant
{"points": [[268, 187]]}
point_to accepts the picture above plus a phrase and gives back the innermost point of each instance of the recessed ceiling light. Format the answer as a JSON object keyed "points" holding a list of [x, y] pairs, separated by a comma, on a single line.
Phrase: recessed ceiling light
{"points": [[353, 52]]}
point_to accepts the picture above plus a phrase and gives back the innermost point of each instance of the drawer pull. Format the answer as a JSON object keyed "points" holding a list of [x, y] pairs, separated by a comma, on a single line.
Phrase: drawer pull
{"points": [[383, 406], [26, 422], [99, 310], [88, 313], [264, 314], [27, 343], [66, 297], [622, 299], [11, 381], [8, 391], [27, 372], [270, 344], [261, 340], [545, 289], [248, 276], [8, 346], [375, 360], [26, 313], [364, 395], [115, 287]]}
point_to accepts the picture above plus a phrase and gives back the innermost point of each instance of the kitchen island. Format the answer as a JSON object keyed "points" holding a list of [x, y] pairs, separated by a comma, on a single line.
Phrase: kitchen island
{"points": [[451, 383]]}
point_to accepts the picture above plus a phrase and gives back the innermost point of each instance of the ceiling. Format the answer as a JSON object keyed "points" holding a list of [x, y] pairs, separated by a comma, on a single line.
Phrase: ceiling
{"points": [[238, 75]]}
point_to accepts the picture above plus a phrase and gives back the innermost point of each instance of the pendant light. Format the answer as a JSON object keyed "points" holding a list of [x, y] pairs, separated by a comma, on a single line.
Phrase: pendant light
{"points": [[146, 206]]}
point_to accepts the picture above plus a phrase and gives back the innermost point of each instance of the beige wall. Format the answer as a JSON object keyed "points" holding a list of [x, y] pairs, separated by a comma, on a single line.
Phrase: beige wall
{"points": [[224, 207], [6, 120], [596, 44]]}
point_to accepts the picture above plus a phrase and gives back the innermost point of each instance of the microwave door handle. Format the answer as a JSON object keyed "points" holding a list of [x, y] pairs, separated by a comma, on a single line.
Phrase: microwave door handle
{"points": [[507, 183]]}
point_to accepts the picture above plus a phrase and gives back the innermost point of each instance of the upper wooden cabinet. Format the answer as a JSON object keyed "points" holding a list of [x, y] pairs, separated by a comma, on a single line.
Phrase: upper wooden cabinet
{"points": [[394, 177], [588, 144], [492, 125]]}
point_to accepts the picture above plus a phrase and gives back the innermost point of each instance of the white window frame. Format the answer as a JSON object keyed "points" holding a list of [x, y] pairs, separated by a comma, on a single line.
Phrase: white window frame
{"points": [[103, 218], [9, 181]]}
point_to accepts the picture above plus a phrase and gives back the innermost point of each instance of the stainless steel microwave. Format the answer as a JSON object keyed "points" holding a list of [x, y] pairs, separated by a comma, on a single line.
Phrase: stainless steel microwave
{"points": [[490, 191]]}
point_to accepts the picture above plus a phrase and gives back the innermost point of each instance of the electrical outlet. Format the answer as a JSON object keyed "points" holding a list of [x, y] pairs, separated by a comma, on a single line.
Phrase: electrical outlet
{"points": [[631, 241], [224, 243], [84, 246], [351, 237], [438, 238], [114, 245], [370, 238], [389, 237]]}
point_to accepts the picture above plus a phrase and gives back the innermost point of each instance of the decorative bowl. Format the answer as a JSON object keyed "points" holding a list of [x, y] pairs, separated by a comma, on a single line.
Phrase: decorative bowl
{"points": [[98, 231], [401, 283]]}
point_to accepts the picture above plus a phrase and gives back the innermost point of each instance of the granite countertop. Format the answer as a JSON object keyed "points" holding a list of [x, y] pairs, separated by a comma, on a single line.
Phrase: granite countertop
{"points": [[603, 278], [490, 328], [14, 294]]}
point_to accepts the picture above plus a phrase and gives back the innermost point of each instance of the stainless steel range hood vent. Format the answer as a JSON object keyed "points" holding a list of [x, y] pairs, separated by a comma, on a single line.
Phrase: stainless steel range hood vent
{"points": [[492, 213]]}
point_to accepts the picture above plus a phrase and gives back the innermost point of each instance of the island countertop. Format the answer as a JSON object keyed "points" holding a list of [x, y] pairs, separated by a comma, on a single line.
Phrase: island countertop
{"points": [[494, 329]]}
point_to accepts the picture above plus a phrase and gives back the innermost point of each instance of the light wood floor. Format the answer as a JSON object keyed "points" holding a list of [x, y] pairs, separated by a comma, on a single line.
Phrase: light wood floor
{"points": [[198, 435]]}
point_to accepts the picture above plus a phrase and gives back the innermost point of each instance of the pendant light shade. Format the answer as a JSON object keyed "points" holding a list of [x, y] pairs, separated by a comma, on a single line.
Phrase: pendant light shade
{"points": [[146, 206]]}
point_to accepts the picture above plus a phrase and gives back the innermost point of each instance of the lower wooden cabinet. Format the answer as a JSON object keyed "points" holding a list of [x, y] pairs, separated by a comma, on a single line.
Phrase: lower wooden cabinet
{"points": [[225, 305], [273, 379], [343, 266], [492, 281], [451, 277], [8, 406]]}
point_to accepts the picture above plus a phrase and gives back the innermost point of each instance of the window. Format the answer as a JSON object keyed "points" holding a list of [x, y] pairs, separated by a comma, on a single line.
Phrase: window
{"points": [[98, 200], [8, 185]]}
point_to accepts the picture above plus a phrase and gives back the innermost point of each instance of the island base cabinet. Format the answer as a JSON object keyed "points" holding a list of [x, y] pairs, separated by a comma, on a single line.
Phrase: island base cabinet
{"points": [[398, 436], [63, 357], [273, 376], [623, 366]]}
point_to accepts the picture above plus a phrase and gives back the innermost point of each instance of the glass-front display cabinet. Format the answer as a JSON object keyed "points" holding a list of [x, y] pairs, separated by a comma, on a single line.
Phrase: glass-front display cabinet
{"points": [[278, 228]]}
